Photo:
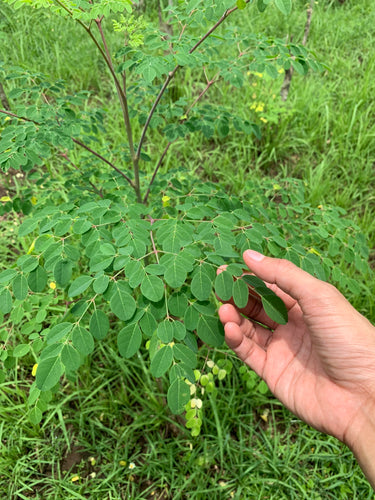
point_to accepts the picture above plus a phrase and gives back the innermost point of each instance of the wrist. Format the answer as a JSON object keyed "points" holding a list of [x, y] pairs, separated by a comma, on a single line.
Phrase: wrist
{"points": [[360, 438]]}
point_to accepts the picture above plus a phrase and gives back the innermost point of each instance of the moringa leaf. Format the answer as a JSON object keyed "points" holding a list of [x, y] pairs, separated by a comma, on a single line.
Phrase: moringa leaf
{"points": [[161, 361], [178, 396], [273, 306], [129, 340]]}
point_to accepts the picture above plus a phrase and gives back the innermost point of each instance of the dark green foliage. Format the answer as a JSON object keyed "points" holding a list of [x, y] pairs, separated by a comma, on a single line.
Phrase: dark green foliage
{"points": [[135, 254]]}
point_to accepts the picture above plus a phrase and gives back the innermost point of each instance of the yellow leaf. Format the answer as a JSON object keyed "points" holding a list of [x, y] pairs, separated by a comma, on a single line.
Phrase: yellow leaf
{"points": [[75, 478], [264, 415], [165, 201], [5, 199], [33, 371], [33, 200], [32, 246], [312, 250]]}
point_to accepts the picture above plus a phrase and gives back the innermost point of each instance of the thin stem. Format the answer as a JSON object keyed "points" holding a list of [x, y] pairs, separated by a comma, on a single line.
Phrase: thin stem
{"points": [[173, 72], [79, 143], [209, 83], [154, 249], [122, 97], [156, 171], [96, 190], [3, 98], [154, 106], [125, 111], [18, 117]]}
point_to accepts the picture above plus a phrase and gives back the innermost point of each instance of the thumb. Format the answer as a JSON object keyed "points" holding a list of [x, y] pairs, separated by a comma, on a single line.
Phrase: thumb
{"points": [[291, 279]]}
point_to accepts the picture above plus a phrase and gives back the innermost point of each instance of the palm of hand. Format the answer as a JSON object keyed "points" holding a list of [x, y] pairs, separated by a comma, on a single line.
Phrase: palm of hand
{"points": [[311, 364]]}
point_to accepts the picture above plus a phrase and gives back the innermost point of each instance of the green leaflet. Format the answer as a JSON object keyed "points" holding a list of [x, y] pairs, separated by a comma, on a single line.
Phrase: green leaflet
{"points": [[28, 263], [7, 276], [20, 287], [175, 274], [284, 6], [273, 306], [191, 318], [81, 226], [179, 330], [58, 332], [201, 284], [224, 285], [161, 361], [152, 288], [155, 269], [79, 285], [21, 350], [37, 279], [148, 324], [240, 293], [129, 340], [135, 272], [178, 396], [82, 340], [62, 272], [241, 4], [177, 304], [210, 330], [48, 373], [99, 324], [70, 358], [185, 354], [122, 304], [28, 226], [165, 331], [100, 284], [6, 301], [35, 415]]}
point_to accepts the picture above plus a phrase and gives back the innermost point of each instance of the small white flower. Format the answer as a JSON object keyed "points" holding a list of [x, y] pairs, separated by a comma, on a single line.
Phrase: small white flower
{"points": [[132, 465]]}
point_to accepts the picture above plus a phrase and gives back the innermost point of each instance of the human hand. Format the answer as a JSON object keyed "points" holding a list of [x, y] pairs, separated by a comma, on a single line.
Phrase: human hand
{"points": [[321, 364]]}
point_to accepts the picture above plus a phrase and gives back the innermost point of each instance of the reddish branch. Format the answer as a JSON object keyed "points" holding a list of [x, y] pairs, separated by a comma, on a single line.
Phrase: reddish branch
{"points": [[79, 143], [284, 92], [173, 72], [209, 83]]}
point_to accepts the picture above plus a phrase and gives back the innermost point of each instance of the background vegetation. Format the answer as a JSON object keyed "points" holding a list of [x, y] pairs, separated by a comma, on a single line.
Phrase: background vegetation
{"points": [[110, 435]]}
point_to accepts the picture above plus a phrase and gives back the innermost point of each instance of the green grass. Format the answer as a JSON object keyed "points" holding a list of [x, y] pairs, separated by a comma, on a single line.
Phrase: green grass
{"points": [[115, 412]]}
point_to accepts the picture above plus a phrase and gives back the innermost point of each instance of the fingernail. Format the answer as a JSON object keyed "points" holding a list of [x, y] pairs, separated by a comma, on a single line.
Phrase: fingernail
{"points": [[253, 255]]}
